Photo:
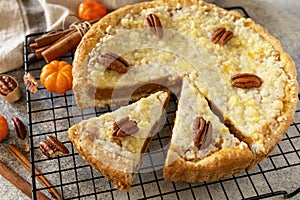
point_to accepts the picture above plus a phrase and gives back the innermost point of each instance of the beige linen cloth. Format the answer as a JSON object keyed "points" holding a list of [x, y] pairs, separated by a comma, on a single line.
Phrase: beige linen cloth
{"points": [[19, 18]]}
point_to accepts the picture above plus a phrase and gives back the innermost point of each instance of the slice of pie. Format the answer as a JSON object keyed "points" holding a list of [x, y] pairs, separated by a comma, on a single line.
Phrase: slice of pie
{"points": [[113, 143], [201, 147]]}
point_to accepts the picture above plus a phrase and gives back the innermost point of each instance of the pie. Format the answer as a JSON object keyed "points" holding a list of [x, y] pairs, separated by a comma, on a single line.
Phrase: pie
{"points": [[114, 142], [236, 65], [219, 155]]}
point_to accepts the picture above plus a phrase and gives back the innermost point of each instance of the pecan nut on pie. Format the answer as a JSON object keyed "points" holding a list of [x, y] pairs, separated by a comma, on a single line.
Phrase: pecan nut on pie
{"points": [[236, 65]]}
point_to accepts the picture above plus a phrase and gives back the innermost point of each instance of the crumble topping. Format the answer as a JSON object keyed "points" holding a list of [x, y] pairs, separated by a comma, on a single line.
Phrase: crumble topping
{"points": [[186, 49]]}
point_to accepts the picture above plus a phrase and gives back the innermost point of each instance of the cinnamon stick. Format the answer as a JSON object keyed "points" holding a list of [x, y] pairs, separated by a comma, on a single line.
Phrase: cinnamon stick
{"points": [[50, 38], [33, 46], [62, 47], [14, 150], [72, 30], [19, 182], [38, 52]]}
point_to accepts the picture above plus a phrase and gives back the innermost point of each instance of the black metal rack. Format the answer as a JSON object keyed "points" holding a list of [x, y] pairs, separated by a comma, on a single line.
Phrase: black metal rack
{"points": [[52, 114]]}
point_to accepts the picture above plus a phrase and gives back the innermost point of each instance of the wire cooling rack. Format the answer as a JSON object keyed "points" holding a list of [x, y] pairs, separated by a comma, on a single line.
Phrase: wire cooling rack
{"points": [[52, 114]]}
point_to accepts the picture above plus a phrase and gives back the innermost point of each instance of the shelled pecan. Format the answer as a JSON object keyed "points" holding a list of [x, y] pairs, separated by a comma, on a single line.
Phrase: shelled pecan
{"points": [[246, 81], [125, 127], [19, 127], [154, 24], [221, 36], [202, 132], [52, 146], [30, 83], [114, 62]]}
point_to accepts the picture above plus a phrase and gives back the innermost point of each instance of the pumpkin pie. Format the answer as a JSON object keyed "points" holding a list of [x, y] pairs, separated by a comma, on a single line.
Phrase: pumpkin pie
{"points": [[236, 64], [113, 143]]}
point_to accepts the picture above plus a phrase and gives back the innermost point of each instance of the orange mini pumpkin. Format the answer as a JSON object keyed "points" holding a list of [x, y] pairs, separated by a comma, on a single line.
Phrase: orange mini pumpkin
{"points": [[56, 76], [91, 10], [3, 128]]}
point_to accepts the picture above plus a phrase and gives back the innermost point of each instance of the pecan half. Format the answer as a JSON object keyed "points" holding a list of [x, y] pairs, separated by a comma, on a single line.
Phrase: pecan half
{"points": [[114, 62], [202, 132], [125, 127], [153, 23], [221, 36], [7, 84], [246, 81], [52, 146], [19, 127], [30, 83]]}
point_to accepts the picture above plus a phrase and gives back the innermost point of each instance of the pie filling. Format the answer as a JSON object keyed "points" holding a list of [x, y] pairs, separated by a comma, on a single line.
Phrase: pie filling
{"points": [[140, 89], [186, 48]]}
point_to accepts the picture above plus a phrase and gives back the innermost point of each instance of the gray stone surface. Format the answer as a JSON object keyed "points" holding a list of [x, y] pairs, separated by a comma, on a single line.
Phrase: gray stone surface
{"points": [[282, 19]]}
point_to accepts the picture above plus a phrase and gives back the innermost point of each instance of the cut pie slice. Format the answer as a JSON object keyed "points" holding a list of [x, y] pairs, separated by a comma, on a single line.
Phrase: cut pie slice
{"points": [[113, 143], [201, 147]]}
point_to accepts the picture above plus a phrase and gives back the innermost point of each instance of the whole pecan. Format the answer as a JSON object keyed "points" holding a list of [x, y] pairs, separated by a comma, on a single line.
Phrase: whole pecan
{"points": [[202, 132], [125, 127], [153, 23], [114, 62], [221, 36], [246, 81], [52, 146], [30, 83], [19, 127], [7, 84], [120, 123]]}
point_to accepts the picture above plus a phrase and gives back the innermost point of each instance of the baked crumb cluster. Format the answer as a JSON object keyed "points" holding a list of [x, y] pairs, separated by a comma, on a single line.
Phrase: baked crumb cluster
{"points": [[187, 49]]}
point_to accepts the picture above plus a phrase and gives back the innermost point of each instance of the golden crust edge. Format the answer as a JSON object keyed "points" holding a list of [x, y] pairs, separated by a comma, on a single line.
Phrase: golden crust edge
{"points": [[216, 166], [122, 181]]}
